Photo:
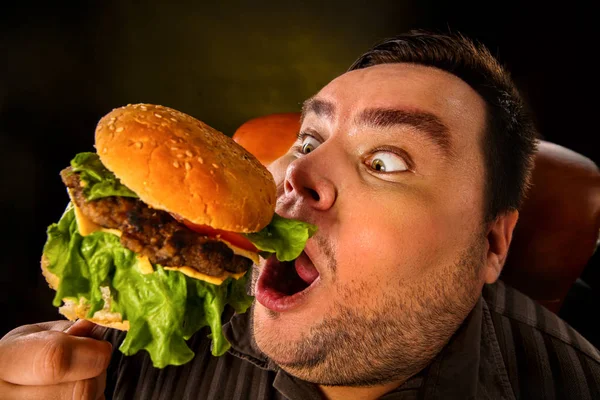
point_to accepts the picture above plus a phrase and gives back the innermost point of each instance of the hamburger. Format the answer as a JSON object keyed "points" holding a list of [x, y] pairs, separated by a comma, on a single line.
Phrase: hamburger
{"points": [[164, 222]]}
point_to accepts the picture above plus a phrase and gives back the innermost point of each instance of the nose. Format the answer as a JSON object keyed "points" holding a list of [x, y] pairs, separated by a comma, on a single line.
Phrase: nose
{"points": [[307, 180]]}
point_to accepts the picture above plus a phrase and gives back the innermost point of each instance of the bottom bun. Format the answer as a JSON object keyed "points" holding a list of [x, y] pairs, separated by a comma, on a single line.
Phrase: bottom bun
{"points": [[74, 310]]}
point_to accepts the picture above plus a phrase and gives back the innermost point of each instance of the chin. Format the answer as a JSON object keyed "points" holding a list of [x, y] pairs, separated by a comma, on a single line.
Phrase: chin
{"points": [[277, 335]]}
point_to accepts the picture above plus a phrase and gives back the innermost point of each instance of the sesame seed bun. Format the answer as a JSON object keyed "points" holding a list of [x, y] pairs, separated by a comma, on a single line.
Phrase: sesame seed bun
{"points": [[178, 164]]}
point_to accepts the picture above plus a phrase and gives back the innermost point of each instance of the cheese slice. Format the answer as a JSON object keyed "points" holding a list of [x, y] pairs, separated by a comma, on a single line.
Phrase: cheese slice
{"points": [[241, 252], [144, 264], [145, 267], [194, 273], [87, 227]]}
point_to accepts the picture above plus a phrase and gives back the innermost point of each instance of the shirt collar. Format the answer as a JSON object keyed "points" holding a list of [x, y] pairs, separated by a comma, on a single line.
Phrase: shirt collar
{"points": [[470, 366], [238, 332]]}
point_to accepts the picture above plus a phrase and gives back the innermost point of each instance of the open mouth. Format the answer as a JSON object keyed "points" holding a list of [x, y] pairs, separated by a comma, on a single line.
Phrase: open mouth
{"points": [[282, 286]]}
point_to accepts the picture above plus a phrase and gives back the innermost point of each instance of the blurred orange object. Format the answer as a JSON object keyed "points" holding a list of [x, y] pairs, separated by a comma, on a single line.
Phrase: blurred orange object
{"points": [[270, 136]]}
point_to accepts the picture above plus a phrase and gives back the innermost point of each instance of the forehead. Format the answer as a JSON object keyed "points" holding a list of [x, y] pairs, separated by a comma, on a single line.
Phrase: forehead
{"points": [[408, 87]]}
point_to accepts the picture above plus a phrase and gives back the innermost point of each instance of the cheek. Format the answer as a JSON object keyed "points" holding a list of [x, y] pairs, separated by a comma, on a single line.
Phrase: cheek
{"points": [[400, 242]]}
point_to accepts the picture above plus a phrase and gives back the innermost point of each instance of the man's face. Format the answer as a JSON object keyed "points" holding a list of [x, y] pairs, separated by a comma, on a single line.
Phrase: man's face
{"points": [[389, 166]]}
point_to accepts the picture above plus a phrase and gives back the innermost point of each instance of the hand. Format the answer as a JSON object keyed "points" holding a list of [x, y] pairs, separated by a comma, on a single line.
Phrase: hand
{"points": [[54, 360]]}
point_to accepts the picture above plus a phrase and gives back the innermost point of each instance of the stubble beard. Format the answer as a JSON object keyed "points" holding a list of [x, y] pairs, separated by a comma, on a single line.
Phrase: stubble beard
{"points": [[362, 345]]}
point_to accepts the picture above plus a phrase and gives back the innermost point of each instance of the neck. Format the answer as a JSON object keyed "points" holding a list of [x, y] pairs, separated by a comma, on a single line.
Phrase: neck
{"points": [[357, 393]]}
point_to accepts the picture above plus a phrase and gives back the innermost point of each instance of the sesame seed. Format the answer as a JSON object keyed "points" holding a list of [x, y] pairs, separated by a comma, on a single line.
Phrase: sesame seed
{"points": [[174, 119], [120, 129], [144, 108], [215, 165], [232, 175], [157, 115], [188, 166], [111, 127], [188, 153], [113, 119], [212, 172], [138, 145], [200, 160], [176, 164], [174, 148], [179, 155]]}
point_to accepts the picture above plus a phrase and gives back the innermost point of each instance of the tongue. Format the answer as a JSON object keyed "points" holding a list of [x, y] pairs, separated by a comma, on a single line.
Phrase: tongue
{"points": [[306, 270]]}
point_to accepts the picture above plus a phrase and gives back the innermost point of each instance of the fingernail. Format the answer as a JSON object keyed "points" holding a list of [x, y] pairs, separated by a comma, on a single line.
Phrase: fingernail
{"points": [[81, 327]]}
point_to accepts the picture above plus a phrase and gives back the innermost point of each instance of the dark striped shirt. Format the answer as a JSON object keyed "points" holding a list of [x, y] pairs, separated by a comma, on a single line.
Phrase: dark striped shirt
{"points": [[508, 347]]}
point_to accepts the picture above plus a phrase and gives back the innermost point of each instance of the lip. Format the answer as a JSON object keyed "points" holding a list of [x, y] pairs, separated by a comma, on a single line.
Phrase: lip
{"points": [[274, 300]]}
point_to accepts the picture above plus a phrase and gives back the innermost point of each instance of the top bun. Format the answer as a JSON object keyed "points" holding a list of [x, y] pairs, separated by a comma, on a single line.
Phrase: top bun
{"points": [[177, 163]]}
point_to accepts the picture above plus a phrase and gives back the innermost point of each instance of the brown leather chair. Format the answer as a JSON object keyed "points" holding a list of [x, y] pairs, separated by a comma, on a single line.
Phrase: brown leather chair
{"points": [[558, 226], [269, 136]]}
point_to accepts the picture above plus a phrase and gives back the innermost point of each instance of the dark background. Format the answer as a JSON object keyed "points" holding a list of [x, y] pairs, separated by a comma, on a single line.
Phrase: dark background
{"points": [[66, 64]]}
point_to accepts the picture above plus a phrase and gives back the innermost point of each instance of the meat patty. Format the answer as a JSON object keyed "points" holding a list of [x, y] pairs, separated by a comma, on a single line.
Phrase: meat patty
{"points": [[155, 233]]}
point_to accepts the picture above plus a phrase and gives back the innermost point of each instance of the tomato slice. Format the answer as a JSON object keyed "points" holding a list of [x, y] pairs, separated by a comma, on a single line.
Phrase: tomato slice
{"points": [[236, 239]]}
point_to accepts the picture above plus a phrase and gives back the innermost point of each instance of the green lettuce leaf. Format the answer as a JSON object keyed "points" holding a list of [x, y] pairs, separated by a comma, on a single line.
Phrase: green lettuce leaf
{"points": [[286, 238], [99, 181], [164, 308]]}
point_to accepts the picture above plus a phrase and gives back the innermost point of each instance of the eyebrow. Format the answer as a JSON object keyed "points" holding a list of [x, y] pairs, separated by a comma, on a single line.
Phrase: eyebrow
{"points": [[382, 118], [321, 108], [429, 124]]}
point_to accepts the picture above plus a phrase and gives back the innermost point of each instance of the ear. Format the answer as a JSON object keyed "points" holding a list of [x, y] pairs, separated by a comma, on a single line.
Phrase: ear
{"points": [[499, 236]]}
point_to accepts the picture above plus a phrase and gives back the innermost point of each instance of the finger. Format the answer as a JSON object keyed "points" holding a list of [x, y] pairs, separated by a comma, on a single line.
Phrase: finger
{"points": [[101, 385], [81, 327], [51, 357], [88, 389], [86, 328], [43, 326]]}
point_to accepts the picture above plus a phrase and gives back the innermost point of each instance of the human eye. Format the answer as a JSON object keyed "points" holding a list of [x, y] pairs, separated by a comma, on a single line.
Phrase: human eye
{"points": [[306, 143], [387, 161]]}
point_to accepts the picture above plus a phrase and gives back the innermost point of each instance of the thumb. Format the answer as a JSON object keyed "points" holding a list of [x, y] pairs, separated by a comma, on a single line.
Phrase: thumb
{"points": [[83, 327]]}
